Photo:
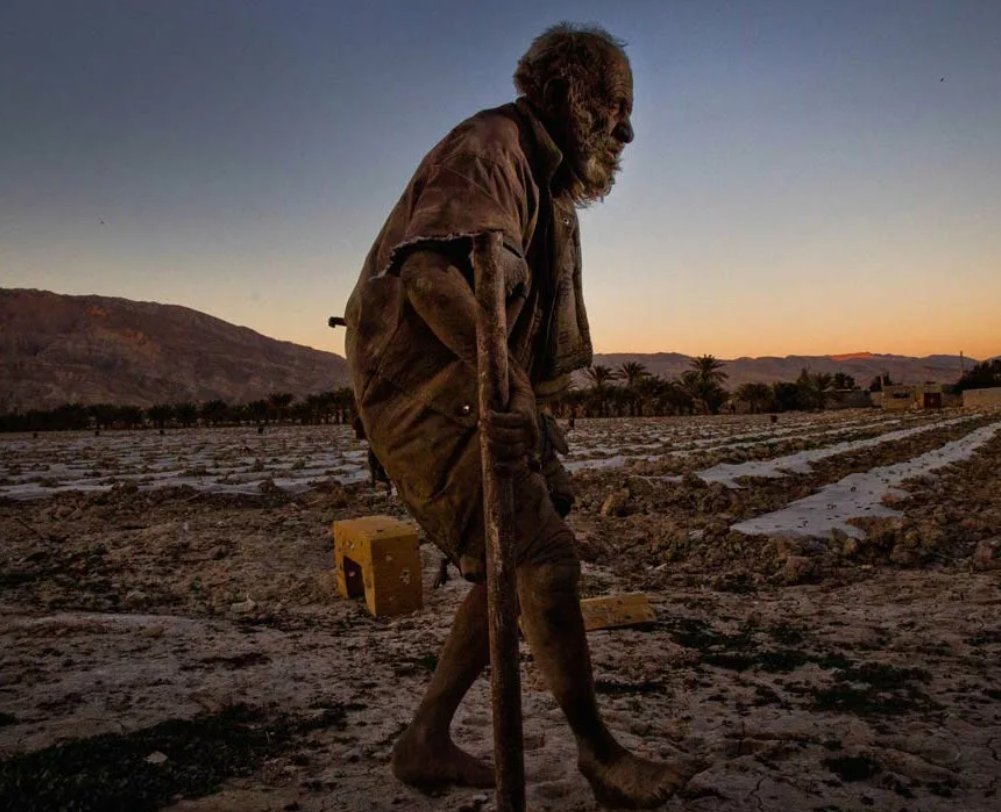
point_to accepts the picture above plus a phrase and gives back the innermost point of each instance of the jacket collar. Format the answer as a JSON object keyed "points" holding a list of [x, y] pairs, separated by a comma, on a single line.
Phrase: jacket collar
{"points": [[548, 155]]}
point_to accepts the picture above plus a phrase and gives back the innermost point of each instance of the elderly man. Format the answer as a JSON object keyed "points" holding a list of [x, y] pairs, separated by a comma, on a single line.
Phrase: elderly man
{"points": [[520, 169]]}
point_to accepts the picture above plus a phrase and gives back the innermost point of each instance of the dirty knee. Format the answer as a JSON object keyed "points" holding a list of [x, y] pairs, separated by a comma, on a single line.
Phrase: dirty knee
{"points": [[554, 578], [553, 545]]}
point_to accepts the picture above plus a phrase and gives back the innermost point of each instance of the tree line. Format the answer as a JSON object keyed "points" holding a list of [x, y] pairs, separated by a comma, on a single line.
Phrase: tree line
{"points": [[985, 375], [334, 406], [631, 390]]}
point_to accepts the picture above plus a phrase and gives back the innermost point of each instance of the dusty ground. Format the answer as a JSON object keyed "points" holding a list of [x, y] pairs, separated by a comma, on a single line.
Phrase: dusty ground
{"points": [[179, 648]]}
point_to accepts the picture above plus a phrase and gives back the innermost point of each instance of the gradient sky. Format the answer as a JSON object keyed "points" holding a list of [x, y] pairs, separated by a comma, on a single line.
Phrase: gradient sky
{"points": [[807, 177]]}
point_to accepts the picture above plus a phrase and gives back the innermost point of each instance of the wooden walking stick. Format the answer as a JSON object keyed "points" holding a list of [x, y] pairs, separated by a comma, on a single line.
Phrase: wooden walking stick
{"points": [[498, 509]]}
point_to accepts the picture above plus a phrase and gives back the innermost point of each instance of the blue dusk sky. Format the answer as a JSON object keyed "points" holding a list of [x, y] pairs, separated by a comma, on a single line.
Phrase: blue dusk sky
{"points": [[807, 177]]}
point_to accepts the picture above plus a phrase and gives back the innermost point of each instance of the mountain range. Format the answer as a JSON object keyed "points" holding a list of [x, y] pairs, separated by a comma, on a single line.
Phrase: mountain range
{"points": [[56, 349]]}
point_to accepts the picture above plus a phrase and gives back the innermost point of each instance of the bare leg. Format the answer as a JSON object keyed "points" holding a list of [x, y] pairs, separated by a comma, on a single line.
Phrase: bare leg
{"points": [[553, 624], [425, 754]]}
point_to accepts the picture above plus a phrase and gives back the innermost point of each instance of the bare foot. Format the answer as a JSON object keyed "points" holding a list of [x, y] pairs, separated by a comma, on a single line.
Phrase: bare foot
{"points": [[425, 764], [626, 781]]}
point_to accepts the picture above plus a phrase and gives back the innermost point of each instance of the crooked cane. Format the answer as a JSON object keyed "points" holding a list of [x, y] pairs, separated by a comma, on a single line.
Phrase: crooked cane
{"points": [[498, 508]]}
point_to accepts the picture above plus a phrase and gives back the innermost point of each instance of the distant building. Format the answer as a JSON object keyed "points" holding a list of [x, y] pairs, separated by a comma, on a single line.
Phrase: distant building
{"points": [[897, 397], [978, 398], [929, 396]]}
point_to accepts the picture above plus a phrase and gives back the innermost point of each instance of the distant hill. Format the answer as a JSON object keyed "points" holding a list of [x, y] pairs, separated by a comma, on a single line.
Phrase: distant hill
{"points": [[862, 366], [56, 349]]}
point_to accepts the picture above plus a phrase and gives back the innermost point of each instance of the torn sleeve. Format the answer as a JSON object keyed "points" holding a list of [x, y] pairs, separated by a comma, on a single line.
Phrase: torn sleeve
{"points": [[459, 198]]}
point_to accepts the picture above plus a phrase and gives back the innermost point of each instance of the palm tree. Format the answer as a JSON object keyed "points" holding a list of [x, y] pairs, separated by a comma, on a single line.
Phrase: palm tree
{"points": [[103, 413], [650, 390], [71, 416], [822, 383], [344, 404], [304, 411], [689, 381], [707, 386], [326, 402], [214, 412], [632, 372], [129, 416], [186, 413], [601, 376], [279, 402], [813, 388], [673, 397], [709, 369], [787, 396], [160, 414], [258, 411], [702, 384], [757, 396]]}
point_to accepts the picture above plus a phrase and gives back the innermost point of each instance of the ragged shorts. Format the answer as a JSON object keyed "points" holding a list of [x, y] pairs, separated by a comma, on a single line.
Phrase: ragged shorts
{"points": [[434, 462]]}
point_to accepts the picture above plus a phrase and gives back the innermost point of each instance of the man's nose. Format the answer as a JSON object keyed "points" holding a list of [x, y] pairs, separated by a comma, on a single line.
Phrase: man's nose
{"points": [[624, 131]]}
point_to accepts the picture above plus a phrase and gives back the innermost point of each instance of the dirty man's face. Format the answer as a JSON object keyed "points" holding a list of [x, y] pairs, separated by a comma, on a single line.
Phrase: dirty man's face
{"points": [[599, 129]]}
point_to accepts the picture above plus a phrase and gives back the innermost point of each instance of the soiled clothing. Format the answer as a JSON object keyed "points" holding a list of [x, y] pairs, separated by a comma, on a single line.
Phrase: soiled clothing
{"points": [[417, 399], [435, 464]]}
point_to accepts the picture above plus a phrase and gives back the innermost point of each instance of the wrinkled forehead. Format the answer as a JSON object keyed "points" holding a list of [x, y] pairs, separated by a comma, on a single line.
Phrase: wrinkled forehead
{"points": [[619, 74]]}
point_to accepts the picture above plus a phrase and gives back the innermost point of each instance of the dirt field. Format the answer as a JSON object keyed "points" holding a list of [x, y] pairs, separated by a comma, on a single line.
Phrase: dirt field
{"points": [[170, 636]]}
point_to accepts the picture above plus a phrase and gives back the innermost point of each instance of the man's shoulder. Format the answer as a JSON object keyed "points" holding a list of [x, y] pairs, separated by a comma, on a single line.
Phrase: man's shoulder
{"points": [[496, 134]]}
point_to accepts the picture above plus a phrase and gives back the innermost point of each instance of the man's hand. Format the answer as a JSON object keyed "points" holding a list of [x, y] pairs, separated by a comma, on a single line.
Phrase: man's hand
{"points": [[514, 433]]}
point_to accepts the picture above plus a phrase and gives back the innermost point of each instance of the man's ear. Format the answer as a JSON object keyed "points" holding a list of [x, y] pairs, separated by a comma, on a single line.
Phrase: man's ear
{"points": [[555, 96]]}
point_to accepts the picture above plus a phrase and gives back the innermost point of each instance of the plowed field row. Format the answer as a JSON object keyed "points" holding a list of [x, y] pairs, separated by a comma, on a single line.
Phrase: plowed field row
{"points": [[685, 522]]}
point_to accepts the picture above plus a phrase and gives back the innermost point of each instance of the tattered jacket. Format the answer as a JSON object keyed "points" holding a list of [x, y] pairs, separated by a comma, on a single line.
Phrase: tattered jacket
{"points": [[491, 173]]}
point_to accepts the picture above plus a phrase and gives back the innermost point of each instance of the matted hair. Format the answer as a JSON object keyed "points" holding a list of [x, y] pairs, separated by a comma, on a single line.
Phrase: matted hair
{"points": [[577, 54]]}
